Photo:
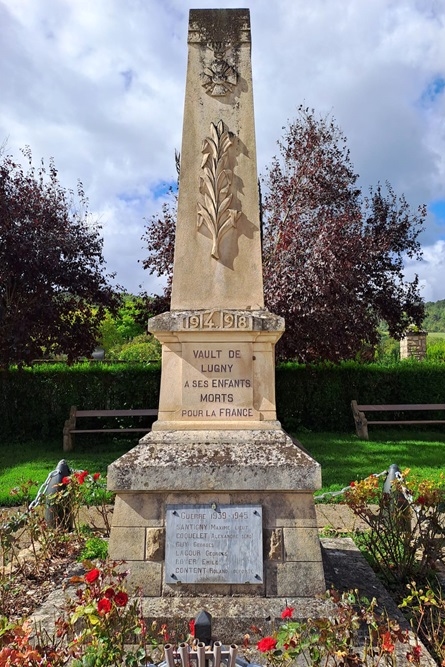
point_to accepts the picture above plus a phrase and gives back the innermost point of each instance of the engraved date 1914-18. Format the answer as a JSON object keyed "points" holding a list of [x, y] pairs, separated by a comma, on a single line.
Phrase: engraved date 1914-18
{"points": [[218, 319]]}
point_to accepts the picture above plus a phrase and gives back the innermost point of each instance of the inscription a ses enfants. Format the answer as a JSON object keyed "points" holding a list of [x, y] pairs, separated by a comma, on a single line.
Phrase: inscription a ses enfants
{"points": [[217, 381]]}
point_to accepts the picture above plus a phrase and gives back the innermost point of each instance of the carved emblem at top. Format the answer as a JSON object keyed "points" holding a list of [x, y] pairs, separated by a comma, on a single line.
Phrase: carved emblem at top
{"points": [[214, 208], [219, 78]]}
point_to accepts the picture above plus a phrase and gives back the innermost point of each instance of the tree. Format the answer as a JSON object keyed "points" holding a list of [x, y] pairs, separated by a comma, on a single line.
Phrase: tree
{"points": [[332, 258], [435, 316], [119, 328], [53, 293], [160, 239]]}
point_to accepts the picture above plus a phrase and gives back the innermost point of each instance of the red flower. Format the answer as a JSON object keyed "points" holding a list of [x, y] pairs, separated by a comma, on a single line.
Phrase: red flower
{"points": [[352, 484], [92, 575], [266, 644], [416, 651], [421, 500], [96, 476], [287, 613], [192, 627], [66, 480], [80, 476], [120, 599], [104, 606], [109, 593], [414, 654], [387, 644]]}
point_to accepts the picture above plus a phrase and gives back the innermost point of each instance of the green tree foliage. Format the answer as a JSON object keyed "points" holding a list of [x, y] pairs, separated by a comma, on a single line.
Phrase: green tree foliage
{"points": [[435, 316], [119, 328], [53, 291], [141, 348]]}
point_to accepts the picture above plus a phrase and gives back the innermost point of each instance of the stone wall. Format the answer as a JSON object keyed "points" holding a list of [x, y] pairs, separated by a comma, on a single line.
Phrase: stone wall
{"points": [[413, 345], [292, 555]]}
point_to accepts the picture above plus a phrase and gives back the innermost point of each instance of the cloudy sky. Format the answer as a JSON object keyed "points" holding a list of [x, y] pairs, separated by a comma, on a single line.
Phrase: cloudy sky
{"points": [[99, 86]]}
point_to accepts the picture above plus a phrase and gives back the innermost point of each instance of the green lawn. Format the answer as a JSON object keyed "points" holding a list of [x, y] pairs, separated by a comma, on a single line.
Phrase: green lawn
{"points": [[23, 461], [343, 457]]}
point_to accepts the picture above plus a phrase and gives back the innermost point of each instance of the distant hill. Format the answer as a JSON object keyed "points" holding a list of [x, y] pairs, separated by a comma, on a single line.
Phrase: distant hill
{"points": [[435, 316]]}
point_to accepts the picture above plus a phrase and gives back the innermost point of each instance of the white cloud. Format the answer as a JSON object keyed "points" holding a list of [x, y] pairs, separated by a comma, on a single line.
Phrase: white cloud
{"points": [[100, 86], [431, 271]]}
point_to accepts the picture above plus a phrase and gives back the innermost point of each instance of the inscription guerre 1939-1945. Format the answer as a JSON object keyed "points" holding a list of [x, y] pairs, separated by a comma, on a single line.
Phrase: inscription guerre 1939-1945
{"points": [[214, 544]]}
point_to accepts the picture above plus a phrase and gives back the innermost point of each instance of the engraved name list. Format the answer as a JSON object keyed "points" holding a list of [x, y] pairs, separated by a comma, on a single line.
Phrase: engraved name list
{"points": [[213, 544]]}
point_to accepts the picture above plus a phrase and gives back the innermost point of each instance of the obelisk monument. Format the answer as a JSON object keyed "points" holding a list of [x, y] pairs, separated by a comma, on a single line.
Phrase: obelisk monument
{"points": [[217, 501]]}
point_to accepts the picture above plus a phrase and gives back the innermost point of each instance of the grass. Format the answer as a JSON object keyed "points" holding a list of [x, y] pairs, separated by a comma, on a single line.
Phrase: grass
{"points": [[436, 334], [33, 460], [343, 457]]}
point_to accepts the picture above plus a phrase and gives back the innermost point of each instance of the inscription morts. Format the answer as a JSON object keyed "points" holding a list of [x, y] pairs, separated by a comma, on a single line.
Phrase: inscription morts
{"points": [[217, 381], [221, 545]]}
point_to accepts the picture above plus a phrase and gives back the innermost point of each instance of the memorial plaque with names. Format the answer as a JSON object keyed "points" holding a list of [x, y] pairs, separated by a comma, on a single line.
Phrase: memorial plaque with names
{"points": [[218, 545]]}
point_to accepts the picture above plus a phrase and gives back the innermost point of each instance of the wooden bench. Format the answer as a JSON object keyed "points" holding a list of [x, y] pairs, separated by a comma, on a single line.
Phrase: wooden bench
{"points": [[362, 423], [71, 426]]}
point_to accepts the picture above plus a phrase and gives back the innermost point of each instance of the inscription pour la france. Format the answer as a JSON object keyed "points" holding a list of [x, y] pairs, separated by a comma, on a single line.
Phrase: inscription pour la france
{"points": [[214, 362]]}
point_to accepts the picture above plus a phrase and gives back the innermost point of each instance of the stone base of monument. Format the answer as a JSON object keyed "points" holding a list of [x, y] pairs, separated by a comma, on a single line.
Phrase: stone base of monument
{"points": [[232, 618], [220, 515]]}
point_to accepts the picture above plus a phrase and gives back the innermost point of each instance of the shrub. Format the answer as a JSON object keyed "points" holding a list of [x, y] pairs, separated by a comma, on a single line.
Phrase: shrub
{"points": [[334, 640], [141, 348], [405, 537], [435, 349]]}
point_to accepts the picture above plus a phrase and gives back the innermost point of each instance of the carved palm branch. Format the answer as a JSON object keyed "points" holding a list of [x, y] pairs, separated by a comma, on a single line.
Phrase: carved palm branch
{"points": [[214, 208]]}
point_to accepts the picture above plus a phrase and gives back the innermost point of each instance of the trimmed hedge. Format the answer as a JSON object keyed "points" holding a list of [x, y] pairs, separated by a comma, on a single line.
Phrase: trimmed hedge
{"points": [[35, 402], [318, 397]]}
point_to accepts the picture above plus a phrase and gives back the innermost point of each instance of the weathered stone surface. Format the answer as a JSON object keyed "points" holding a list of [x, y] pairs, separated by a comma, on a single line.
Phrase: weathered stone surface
{"points": [[144, 576], [179, 320], [299, 542], [273, 544], [217, 439], [155, 544], [413, 344], [217, 378], [196, 498], [293, 508], [215, 461], [299, 579], [233, 617], [135, 509], [127, 543], [218, 264]]}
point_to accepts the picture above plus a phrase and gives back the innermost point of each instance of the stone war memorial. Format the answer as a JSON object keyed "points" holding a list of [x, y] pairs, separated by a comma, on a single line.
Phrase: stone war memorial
{"points": [[214, 507]]}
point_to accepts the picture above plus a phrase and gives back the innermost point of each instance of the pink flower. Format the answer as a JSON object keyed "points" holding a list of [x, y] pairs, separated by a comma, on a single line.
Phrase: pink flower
{"points": [[266, 644], [104, 606], [287, 613], [92, 575], [120, 599]]}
